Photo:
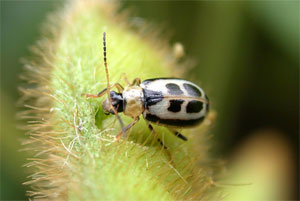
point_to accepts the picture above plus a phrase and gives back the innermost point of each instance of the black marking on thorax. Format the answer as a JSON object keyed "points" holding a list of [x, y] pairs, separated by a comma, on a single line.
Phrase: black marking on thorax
{"points": [[192, 90], [151, 97], [194, 106], [175, 105], [174, 89]]}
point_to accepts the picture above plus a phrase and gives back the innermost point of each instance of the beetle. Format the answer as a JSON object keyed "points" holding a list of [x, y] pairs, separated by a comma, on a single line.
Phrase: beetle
{"points": [[170, 102]]}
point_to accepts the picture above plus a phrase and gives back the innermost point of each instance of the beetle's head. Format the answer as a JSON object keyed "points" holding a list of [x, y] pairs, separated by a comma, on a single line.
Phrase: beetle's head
{"points": [[116, 102]]}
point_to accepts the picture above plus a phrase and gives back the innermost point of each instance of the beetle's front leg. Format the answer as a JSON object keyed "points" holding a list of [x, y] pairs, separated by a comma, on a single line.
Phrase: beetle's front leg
{"points": [[123, 132], [104, 91], [136, 81], [123, 75], [101, 93]]}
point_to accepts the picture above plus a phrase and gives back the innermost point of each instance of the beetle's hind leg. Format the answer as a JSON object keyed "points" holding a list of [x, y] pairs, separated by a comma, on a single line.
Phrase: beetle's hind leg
{"points": [[177, 134], [160, 142]]}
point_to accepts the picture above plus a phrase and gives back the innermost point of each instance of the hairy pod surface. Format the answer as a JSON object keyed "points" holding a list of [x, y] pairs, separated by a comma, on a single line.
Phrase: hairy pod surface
{"points": [[75, 155]]}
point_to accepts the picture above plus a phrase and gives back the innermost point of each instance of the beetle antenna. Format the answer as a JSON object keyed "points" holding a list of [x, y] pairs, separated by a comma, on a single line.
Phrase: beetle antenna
{"points": [[106, 69], [108, 85]]}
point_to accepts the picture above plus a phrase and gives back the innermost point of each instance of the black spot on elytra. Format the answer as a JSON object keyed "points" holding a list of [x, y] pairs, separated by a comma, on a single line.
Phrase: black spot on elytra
{"points": [[174, 89], [207, 104], [194, 106], [192, 90], [152, 117], [152, 97], [173, 122], [175, 105]]}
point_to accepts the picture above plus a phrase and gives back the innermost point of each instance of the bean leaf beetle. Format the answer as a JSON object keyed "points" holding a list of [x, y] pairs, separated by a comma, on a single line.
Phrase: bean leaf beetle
{"points": [[170, 102]]}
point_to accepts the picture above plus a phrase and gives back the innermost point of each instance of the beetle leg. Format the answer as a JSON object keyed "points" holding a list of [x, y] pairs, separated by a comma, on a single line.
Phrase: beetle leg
{"points": [[158, 139], [101, 93], [123, 132], [123, 75], [160, 142], [119, 87], [177, 134], [136, 81]]}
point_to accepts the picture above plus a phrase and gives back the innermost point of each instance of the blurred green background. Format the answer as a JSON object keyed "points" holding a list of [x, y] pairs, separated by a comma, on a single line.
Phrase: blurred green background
{"points": [[247, 59]]}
